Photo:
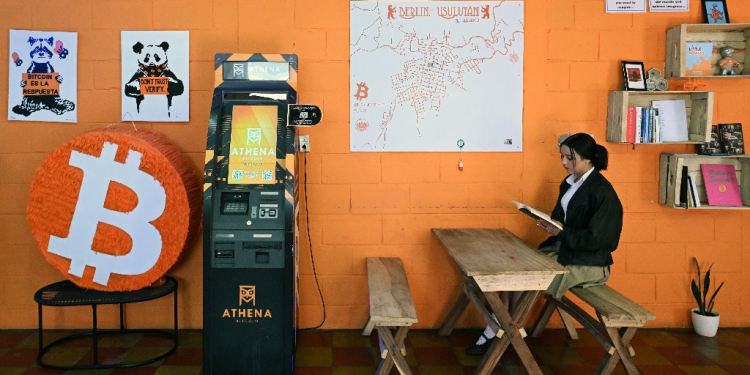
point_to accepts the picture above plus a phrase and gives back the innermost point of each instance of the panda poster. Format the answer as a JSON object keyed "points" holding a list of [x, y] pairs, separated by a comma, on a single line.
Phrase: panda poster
{"points": [[43, 76], [155, 76]]}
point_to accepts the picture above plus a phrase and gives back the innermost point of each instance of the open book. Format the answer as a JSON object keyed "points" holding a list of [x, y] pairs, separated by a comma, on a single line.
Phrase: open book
{"points": [[536, 214]]}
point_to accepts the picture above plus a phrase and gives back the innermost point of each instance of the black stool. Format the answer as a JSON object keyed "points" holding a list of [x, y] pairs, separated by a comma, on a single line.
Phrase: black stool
{"points": [[65, 293]]}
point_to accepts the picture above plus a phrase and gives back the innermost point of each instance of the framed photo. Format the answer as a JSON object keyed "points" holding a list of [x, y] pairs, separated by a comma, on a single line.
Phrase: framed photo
{"points": [[634, 75], [715, 11]]}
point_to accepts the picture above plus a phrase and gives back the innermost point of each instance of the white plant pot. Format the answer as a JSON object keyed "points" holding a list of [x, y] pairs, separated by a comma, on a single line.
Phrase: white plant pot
{"points": [[705, 325]]}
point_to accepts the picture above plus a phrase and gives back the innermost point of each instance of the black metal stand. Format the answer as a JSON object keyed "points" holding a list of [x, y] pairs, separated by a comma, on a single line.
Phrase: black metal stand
{"points": [[65, 293]]}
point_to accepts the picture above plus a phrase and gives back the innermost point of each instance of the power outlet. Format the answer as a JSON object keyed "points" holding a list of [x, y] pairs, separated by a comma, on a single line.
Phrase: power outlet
{"points": [[303, 143]]}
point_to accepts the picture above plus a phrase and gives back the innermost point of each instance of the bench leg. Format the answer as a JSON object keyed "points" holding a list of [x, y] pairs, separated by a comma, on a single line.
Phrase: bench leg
{"points": [[622, 353], [450, 321], [568, 322], [543, 318], [368, 327], [394, 355]]}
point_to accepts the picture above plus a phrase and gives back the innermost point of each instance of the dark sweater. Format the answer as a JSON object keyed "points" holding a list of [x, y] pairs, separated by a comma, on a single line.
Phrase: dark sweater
{"points": [[594, 223]]}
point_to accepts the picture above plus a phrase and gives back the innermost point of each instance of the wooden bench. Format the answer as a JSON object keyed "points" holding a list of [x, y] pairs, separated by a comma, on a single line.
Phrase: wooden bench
{"points": [[619, 318], [391, 305]]}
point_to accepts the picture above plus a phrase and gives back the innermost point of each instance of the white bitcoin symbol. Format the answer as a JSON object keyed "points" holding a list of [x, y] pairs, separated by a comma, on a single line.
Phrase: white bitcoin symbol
{"points": [[147, 241]]}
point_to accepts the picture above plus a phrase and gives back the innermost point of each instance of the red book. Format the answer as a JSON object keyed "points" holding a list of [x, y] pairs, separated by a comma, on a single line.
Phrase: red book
{"points": [[630, 130], [722, 188]]}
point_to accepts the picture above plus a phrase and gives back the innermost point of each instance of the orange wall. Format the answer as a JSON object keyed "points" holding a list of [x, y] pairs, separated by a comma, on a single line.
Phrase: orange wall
{"points": [[384, 204]]}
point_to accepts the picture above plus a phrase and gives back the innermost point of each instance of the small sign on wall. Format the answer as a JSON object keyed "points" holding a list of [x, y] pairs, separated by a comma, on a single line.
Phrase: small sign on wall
{"points": [[669, 5], [626, 6]]}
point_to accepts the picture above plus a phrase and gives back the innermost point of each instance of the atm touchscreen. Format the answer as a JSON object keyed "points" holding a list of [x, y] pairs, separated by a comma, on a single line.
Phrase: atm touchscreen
{"points": [[252, 147]]}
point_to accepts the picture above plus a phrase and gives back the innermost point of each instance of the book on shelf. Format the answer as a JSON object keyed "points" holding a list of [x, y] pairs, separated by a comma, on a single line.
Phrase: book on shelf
{"points": [[630, 129], [694, 188], [713, 146], [684, 187], [646, 132], [722, 188], [698, 58], [638, 124], [536, 214], [673, 119], [657, 126], [731, 139], [690, 198]]}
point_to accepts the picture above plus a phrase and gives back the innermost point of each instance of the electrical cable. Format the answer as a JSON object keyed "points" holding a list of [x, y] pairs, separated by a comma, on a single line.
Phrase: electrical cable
{"points": [[309, 241]]}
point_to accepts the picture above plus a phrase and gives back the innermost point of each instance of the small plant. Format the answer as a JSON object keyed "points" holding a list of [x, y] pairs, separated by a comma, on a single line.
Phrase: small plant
{"points": [[700, 291]]}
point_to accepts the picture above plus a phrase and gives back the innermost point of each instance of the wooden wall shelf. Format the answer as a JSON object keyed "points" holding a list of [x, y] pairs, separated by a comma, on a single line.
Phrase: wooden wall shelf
{"points": [[735, 35], [699, 106], [670, 178]]}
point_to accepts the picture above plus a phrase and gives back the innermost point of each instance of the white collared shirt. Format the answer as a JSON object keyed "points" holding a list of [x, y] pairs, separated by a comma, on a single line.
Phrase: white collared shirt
{"points": [[572, 190]]}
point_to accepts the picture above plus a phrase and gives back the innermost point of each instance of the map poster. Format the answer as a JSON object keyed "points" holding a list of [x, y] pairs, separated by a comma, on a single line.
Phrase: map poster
{"points": [[424, 75]]}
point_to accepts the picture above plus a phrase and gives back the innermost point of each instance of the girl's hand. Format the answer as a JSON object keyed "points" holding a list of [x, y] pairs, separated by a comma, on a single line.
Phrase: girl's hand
{"points": [[549, 228]]}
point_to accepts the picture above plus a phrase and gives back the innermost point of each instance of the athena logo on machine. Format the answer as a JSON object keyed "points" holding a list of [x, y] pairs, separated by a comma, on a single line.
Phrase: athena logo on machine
{"points": [[247, 294], [253, 136], [90, 210], [248, 314], [239, 70]]}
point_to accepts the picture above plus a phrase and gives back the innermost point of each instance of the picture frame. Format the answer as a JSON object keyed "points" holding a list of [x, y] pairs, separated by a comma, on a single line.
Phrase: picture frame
{"points": [[715, 11], [634, 76]]}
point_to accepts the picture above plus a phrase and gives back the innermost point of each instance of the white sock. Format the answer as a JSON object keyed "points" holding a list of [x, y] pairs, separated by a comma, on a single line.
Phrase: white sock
{"points": [[487, 333]]}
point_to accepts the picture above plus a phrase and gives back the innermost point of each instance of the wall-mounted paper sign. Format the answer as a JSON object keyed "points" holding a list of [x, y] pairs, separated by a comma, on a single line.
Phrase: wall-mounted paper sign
{"points": [[43, 75], [626, 6], [155, 76], [669, 5]]}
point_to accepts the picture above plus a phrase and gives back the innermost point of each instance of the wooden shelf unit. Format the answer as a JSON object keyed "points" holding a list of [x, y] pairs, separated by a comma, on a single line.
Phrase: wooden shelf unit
{"points": [[699, 106], [735, 35], [670, 178]]}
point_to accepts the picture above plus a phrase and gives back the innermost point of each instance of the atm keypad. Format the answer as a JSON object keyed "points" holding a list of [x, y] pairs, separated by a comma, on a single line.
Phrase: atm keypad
{"points": [[235, 207]]}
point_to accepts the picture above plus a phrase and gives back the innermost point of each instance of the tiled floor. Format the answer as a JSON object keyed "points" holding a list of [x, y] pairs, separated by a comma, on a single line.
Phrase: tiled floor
{"points": [[660, 352]]}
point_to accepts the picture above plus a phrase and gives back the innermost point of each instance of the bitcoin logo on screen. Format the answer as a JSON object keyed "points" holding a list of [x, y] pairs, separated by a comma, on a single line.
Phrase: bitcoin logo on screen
{"points": [[112, 210], [90, 210]]}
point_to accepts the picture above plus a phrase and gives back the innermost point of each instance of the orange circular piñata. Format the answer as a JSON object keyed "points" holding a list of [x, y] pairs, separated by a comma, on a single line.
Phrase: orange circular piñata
{"points": [[113, 209]]}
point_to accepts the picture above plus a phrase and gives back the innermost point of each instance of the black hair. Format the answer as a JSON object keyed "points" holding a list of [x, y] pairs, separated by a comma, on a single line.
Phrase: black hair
{"points": [[586, 147]]}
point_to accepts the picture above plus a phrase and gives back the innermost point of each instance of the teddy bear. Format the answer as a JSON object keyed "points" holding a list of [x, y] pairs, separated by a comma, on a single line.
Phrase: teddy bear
{"points": [[729, 65], [152, 65], [41, 54]]}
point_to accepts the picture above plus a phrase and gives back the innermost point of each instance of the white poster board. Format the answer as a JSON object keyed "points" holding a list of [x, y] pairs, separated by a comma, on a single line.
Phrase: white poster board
{"points": [[43, 76], [626, 6], [425, 74], [669, 5], [155, 76]]}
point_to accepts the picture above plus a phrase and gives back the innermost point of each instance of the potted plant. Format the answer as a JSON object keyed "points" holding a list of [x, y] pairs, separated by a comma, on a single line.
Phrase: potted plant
{"points": [[705, 320]]}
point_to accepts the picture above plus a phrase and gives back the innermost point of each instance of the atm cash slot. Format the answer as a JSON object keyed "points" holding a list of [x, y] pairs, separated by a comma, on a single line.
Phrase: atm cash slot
{"points": [[249, 250]]}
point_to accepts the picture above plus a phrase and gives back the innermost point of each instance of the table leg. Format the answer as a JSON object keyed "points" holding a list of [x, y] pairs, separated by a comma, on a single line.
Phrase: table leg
{"points": [[450, 321], [96, 339], [176, 341], [394, 354], [621, 344], [41, 340], [513, 333]]}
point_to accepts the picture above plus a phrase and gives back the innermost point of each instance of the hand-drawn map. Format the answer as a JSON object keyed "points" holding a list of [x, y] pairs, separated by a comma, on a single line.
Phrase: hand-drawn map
{"points": [[424, 75]]}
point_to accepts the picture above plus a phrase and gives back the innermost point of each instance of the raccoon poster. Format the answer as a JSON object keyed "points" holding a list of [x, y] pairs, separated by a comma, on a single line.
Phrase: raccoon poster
{"points": [[43, 76], [155, 76]]}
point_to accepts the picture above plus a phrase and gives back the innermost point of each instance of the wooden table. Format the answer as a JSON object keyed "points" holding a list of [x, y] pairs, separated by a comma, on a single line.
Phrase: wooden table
{"points": [[494, 260]]}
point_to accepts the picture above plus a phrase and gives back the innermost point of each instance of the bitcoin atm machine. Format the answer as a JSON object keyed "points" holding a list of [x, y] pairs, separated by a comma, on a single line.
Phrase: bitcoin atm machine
{"points": [[248, 222]]}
